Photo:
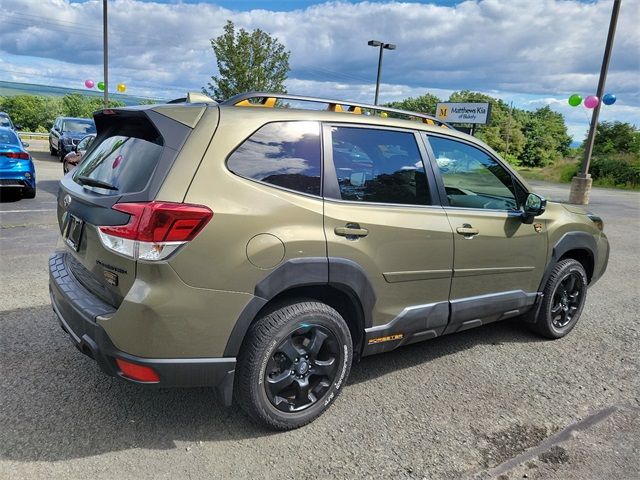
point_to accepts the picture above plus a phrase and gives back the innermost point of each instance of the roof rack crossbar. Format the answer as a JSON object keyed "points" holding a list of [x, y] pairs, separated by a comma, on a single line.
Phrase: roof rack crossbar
{"points": [[269, 100]]}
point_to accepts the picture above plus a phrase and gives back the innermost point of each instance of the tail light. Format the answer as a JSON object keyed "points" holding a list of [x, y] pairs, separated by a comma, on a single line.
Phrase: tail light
{"points": [[155, 229], [20, 155]]}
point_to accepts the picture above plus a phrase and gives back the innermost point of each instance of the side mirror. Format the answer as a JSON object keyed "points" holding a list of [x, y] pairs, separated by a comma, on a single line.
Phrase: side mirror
{"points": [[18, 127], [534, 205]]}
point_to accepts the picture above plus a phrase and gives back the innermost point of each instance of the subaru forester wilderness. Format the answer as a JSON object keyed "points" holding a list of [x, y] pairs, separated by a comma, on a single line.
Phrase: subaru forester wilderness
{"points": [[260, 251]]}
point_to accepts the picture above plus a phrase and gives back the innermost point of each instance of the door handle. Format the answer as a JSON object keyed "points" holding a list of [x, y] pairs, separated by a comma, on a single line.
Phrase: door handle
{"points": [[352, 231], [467, 231]]}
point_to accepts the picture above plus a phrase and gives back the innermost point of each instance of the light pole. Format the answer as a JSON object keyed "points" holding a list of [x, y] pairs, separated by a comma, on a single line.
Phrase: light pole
{"points": [[105, 53], [382, 46], [581, 183]]}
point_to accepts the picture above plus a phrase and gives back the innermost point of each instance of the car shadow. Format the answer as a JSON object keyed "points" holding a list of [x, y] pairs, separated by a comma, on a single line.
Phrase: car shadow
{"points": [[10, 195], [57, 404], [49, 186], [498, 333]]}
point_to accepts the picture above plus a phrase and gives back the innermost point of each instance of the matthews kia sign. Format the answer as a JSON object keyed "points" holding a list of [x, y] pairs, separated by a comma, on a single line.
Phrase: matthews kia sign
{"points": [[453, 112]]}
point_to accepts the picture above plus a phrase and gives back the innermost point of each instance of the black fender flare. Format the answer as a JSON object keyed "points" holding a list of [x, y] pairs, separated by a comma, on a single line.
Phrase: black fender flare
{"points": [[341, 273], [569, 241]]}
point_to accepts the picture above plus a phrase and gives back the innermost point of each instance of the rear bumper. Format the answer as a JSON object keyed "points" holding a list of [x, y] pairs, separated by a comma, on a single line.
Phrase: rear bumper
{"points": [[77, 309], [17, 179]]}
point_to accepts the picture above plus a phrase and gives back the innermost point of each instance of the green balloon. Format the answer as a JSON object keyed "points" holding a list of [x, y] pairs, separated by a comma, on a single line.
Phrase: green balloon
{"points": [[574, 100], [100, 85]]}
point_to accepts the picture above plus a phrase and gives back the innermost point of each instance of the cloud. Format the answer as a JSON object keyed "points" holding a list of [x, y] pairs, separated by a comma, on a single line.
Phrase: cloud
{"points": [[515, 49]]}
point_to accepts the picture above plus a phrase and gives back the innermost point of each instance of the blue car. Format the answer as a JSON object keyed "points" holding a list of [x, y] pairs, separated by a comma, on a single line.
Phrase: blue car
{"points": [[16, 167]]}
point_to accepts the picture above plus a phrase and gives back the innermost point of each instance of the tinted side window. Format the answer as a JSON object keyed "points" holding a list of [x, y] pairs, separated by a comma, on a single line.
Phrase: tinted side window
{"points": [[381, 166], [472, 179], [286, 154]]}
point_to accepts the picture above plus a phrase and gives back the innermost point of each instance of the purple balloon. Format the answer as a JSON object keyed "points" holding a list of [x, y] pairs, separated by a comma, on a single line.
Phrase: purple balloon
{"points": [[89, 83], [591, 101]]}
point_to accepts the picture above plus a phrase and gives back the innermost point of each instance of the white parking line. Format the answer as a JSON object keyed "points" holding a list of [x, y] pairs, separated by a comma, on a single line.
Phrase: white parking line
{"points": [[28, 211]]}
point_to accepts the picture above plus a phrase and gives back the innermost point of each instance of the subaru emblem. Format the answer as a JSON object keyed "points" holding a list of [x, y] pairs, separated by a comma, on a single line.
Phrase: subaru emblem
{"points": [[66, 201]]}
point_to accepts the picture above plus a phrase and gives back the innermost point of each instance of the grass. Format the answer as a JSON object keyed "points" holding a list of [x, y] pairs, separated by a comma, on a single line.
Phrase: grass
{"points": [[564, 170], [559, 172]]}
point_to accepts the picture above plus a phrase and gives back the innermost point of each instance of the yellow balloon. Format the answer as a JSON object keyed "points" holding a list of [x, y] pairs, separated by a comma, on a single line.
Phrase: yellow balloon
{"points": [[121, 87], [384, 114]]}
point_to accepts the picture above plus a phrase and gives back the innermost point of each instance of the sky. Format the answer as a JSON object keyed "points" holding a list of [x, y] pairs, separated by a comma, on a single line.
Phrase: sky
{"points": [[529, 52]]}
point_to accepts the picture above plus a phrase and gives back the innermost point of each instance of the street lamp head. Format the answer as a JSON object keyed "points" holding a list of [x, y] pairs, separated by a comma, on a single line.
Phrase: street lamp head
{"points": [[390, 46], [374, 43]]}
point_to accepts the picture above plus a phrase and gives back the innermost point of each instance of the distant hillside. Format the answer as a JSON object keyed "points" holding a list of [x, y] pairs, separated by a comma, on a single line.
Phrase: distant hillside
{"points": [[11, 89]]}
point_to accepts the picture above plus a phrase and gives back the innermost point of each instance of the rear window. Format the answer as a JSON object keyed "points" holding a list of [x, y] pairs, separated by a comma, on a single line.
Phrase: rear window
{"points": [[121, 160], [8, 137]]}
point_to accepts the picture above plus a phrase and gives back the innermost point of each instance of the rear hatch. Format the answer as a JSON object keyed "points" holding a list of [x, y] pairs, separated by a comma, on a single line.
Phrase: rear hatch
{"points": [[127, 163]]}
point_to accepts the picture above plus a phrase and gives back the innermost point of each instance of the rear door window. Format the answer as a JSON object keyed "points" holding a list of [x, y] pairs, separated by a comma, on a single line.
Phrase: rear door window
{"points": [[379, 166], [120, 163]]}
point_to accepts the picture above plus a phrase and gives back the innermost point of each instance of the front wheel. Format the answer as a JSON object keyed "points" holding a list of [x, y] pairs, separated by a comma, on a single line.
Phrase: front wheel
{"points": [[563, 300], [293, 364]]}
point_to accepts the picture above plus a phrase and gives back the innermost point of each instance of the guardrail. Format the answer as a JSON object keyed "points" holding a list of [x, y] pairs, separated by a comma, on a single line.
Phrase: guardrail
{"points": [[34, 135]]}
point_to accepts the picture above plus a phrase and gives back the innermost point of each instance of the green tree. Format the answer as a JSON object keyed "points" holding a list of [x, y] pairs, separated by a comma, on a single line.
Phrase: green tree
{"points": [[247, 61], [32, 112], [423, 104], [616, 137], [76, 105], [546, 136]]}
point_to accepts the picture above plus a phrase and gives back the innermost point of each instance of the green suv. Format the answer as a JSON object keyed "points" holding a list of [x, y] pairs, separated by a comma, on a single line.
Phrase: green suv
{"points": [[261, 250]]}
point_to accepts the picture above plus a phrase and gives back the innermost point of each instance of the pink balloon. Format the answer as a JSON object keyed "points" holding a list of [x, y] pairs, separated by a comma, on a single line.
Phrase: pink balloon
{"points": [[591, 101], [89, 83]]}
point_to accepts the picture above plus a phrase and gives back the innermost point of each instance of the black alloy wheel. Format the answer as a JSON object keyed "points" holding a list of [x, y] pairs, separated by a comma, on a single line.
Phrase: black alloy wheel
{"points": [[563, 299], [566, 299], [302, 368], [293, 363]]}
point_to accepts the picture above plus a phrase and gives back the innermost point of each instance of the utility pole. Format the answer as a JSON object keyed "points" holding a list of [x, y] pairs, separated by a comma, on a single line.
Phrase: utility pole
{"points": [[581, 183], [105, 54], [509, 125]]}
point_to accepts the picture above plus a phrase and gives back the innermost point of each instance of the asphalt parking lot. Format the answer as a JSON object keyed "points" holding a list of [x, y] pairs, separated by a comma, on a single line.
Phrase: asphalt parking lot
{"points": [[494, 402]]}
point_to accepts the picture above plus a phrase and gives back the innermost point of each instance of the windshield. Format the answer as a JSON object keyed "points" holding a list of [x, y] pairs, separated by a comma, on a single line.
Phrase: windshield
{"points": [[85, 143], [78, 126], [5, 122]]}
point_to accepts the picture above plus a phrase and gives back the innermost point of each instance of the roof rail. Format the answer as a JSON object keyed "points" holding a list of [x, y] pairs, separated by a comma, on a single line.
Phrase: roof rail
{"points": [[194, 97], [262, 99]]}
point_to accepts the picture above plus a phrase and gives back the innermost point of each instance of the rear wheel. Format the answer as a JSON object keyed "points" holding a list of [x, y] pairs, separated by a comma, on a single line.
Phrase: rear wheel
{"points": [[52, 151], [564, 295], [293, 364]]}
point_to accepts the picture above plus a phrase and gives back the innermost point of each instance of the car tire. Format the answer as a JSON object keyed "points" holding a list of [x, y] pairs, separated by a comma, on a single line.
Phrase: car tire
{"points": [[293, 363], [29, 193], [62, 155], [52, 151], [563, 299]]}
